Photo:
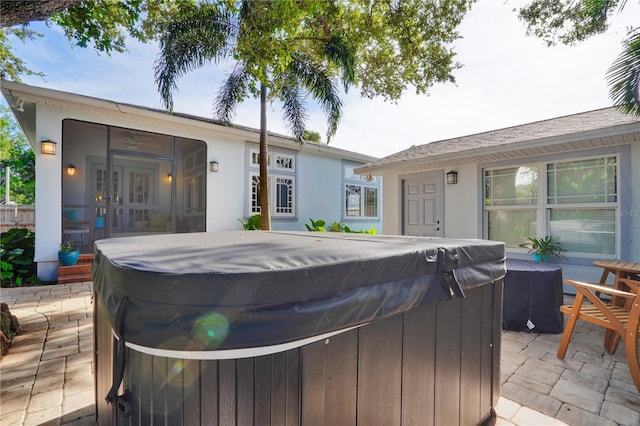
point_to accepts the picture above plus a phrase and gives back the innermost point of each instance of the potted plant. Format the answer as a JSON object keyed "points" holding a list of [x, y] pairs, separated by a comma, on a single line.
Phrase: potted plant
{"points": [[68, 255], [543, 248]]}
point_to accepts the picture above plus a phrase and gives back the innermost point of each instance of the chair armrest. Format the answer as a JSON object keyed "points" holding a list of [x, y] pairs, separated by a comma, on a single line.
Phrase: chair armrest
{"points": [[633, 284], [602, 289]]}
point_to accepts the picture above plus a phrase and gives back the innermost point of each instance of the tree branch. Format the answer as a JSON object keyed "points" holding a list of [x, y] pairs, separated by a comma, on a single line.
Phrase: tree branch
{"points": [[21, 12]]}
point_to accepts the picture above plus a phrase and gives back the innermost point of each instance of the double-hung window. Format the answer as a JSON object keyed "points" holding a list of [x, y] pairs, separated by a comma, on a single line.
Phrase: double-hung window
{"points": [[582, 199], [282, 183], [361, 194], [574, 201]]}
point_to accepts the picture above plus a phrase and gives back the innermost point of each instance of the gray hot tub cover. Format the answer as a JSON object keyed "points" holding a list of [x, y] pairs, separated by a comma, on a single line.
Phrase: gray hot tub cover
{"points": [[233, 290]]}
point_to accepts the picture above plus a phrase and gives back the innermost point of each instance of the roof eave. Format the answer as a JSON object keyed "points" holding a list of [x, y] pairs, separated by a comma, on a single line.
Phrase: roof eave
{"points": [[599, 137]]}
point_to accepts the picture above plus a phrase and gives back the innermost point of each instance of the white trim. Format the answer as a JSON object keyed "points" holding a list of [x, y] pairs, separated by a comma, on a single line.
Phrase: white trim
{"points": [[234, 353]]}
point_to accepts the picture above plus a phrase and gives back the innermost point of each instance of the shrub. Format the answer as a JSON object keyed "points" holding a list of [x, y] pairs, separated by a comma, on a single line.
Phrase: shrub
{"points": [[252, 224], [17, 247]]}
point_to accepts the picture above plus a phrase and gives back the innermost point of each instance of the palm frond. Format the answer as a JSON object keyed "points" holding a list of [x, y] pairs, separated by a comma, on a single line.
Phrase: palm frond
{"points": [[203, 37], [623, 77], [341, 54], [294, 111], [232, 92], [315, 78]]}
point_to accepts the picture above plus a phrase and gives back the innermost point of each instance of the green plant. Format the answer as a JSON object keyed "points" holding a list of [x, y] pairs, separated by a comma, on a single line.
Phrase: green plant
{"points": [[66, 247], [252, 224], [336, 227], [17, 247], [371, 231], [316, 225], [545, 246]]}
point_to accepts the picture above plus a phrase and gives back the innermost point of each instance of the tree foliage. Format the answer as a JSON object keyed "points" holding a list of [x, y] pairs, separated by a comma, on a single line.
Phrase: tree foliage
{"points": [[104, 23], [12, 67], [108, 23], [572, 21], [291, 50], [397, 45], [16, 153]]}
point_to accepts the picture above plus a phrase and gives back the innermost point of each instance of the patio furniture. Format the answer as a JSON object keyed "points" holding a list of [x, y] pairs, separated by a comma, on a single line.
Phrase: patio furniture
{"points": [[532, 297], [618, 269], [72, 225], [297, 328], [623, 319]]}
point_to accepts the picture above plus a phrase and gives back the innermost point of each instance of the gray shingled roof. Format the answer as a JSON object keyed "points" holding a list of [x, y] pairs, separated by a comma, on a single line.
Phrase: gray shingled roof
{"points": [[571, 132]]}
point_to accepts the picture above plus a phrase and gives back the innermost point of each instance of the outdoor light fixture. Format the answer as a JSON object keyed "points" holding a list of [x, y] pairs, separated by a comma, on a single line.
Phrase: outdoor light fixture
{"points": [[213, 166], [169, 177], [452, 178], [71, 170], [48, 147]]}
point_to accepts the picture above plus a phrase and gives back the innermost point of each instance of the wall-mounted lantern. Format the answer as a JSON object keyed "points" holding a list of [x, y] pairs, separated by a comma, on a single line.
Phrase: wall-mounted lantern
{"points": [[48, 147], [71, 170], [213, 166], [452, 177]]}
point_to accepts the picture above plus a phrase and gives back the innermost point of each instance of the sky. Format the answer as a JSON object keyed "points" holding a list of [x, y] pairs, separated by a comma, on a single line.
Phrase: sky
{"points": [[507, 79]]}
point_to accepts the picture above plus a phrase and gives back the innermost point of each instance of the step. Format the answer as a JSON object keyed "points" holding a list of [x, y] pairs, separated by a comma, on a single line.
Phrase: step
{"points": [[79, 272], [68, 279]]}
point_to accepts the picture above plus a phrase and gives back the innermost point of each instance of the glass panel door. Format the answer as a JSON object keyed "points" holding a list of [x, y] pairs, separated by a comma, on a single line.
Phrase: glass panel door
{"points": [[142, 202], [102, 189]]}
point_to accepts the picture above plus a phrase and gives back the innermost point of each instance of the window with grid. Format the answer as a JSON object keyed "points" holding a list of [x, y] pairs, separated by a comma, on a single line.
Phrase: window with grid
{"points": [[575, 201], [361, 194], [582, 199], [282, 183]]}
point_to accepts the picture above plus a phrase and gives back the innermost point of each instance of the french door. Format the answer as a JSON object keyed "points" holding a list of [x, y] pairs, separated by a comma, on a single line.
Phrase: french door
{"points": [[137, 196]]}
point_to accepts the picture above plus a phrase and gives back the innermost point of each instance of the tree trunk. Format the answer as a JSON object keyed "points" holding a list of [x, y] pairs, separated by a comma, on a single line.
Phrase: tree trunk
{"points": [[22, 12], [265, 214]]}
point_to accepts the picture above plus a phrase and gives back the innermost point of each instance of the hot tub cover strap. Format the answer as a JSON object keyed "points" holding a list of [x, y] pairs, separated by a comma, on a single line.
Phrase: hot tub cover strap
{"points": [[119, 359]]}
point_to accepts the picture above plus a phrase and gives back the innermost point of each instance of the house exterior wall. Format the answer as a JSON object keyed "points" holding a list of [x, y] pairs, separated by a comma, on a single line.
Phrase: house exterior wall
{"points": [[319, 177], [461, 204], [464, 211], [48, 193]]}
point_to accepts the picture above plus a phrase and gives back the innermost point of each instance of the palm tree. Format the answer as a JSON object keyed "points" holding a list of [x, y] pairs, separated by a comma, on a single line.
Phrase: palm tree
{"points": [[212, 34], [623, 77]]}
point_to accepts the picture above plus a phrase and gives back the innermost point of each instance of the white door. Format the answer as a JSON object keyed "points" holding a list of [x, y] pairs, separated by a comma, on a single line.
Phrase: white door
{"points": [[423, 209]]}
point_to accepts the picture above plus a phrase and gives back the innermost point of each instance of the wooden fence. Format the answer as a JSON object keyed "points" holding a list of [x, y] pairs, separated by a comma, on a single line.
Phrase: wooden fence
{"points": [[17, 216]]}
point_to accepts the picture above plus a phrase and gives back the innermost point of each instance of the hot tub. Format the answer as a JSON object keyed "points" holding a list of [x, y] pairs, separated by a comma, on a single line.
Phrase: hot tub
{"points": [[296, 328]]}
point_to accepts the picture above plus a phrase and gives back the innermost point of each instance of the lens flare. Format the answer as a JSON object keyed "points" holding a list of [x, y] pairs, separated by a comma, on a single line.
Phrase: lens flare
{"points": [[211, 329]]}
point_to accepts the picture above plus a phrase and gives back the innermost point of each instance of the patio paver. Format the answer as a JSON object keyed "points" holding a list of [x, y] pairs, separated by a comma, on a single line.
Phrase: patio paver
{"points": [[47, 376]]}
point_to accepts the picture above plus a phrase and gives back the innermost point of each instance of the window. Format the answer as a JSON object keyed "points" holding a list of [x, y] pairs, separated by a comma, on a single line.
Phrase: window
{"points": [[511, 200], [282, 183], [582, 199], [576, 202], [361, 194]]}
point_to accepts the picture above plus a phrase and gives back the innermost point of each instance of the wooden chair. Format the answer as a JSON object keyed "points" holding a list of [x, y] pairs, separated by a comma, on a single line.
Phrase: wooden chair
{"points": [[622, 316]]}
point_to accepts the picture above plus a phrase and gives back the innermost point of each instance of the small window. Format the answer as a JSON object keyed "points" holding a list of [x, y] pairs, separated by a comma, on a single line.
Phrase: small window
{"points": [[282, 183]]}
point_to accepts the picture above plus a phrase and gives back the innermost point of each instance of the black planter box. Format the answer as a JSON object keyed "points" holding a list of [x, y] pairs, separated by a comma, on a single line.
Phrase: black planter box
{"points": [[297, 328]]}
